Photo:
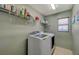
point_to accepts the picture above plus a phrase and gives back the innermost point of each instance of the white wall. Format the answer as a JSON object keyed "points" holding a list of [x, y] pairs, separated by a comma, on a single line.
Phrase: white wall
{"points": [[75, 31], [13, 32], [62, 39]]}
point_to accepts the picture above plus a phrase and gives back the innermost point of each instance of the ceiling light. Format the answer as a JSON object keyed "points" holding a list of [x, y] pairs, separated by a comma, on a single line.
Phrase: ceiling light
{"points": [[53, 6]]}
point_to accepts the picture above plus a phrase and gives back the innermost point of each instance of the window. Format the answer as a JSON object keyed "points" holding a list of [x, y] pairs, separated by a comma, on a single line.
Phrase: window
{"points": [[63, 24]]}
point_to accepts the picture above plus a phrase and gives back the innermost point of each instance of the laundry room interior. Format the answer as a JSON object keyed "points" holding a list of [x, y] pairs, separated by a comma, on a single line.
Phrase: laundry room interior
{"points": [[39, 29]]}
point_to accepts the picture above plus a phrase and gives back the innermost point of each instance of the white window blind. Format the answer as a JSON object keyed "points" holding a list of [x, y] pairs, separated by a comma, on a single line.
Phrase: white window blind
{"points": [[63, 24]]}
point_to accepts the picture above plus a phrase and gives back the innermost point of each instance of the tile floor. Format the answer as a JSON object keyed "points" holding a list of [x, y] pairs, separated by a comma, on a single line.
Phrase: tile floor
{"points": [[62, 51]]}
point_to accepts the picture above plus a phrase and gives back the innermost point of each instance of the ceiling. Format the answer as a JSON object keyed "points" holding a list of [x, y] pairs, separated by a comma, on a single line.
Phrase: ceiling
{"points": [[46, 9]]}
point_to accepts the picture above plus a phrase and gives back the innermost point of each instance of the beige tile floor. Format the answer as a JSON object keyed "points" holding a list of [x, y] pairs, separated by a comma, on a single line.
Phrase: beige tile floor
{"points": [[62, 51]]}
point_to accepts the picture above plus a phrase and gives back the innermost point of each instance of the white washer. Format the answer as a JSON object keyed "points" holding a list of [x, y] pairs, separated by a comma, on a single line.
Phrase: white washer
{"points": [[39, 44]]}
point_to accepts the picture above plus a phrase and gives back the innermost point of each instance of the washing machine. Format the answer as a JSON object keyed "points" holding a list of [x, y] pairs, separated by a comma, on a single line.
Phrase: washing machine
{"points": [[40, 43]]}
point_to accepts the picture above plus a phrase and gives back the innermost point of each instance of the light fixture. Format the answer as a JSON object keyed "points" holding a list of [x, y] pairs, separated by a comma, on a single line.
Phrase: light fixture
{"points": [[53, 6]]}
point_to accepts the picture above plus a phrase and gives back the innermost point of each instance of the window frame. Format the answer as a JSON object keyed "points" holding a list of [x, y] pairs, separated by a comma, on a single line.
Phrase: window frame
{"points": [[62, 24]]}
